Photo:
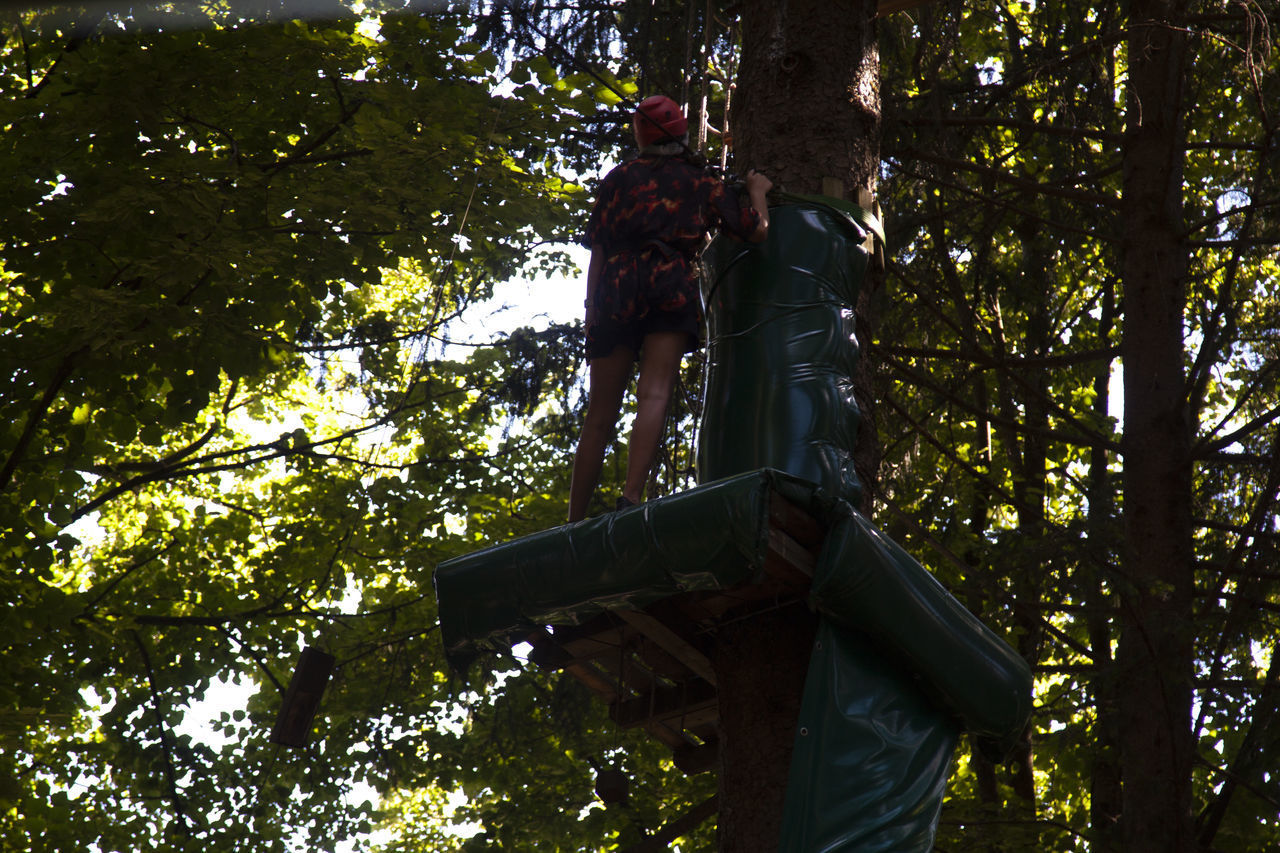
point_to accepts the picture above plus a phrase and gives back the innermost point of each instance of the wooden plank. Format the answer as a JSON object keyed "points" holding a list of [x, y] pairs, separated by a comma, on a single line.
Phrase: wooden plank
{"points": [[673, 738], [796, 523], [706, 610], [629, 672], [603, 687], [789, 562], [699, 717], [602, 636], [547, 654], [673, 705], [792, 551], [681, 649], [659, 660], [702, 608]]}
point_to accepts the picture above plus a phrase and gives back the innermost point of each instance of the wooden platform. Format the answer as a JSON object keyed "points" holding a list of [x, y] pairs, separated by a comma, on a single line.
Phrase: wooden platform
{"points": [[651, 666]]}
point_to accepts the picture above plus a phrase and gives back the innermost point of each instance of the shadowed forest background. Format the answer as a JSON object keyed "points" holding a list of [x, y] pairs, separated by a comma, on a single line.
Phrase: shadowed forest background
{"points": [[235, 244]]}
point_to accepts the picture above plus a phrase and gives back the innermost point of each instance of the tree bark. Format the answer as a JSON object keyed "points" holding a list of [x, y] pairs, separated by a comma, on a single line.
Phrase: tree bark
{"points": [[1154, 655], [760, 669], [808, 99], [1105, 795], [807, 113]]}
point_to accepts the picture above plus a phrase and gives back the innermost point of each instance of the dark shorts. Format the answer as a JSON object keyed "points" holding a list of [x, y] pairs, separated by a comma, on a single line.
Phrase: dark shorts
{"points": [[603, 338]]}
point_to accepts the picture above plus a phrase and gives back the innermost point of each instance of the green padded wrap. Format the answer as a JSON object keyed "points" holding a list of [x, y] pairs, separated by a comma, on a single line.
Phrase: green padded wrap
{"points": [[861, 218], [898, 668], [866, 582], [872, 754], [710, 537], [781, 350], [899, 665]]}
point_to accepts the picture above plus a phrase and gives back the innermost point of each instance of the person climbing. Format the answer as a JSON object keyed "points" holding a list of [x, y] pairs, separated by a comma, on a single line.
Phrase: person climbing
{"points": [[650, 221]]}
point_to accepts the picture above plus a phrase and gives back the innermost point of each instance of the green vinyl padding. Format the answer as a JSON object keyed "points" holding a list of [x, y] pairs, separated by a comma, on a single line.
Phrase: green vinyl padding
{"points": [[872, 754], [865, 581], [900, 665], [710, 537], [781, 350]]}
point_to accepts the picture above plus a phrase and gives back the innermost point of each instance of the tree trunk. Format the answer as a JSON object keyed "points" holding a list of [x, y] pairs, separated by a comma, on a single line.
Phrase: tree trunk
{"points": [[1154, 655], [808, 98], [1105, 800], [760, 669], [807, 113]]}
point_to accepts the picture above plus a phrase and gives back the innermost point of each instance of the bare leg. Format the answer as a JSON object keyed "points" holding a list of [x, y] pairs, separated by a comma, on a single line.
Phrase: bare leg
{"points": [[608, 382], [659, 366]]}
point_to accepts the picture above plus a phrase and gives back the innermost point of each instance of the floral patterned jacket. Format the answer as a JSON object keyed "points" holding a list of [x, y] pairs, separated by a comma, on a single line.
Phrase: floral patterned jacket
{"points": [[651, 218]]}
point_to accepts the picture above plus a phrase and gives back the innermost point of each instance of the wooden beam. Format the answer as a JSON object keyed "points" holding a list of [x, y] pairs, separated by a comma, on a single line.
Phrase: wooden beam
{"points": [[671, 642], [796, 523], [605, 688], [686, 705], [673, 738], [789, 562], [548, 654], [630, 672]]}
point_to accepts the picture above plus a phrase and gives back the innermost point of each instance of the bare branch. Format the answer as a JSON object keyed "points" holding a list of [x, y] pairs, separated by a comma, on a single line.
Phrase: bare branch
{"points": [[171, 778], [38, 412], [1062, 189]]}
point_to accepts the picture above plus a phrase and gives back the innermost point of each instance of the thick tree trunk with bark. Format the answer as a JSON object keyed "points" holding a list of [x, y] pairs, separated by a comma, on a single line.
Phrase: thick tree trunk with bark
{"points": [[807, 113], [807, 106], [760, 670], [1154, 656]]}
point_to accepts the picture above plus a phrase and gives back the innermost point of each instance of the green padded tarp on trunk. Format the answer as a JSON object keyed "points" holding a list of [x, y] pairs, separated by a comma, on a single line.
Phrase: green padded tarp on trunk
{"points": [[781, 350], [899, 668], [872, 753], [902, 662]]}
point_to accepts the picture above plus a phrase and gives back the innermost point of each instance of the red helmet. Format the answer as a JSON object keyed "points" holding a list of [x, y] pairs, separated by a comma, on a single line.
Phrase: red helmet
{"points": [[658, 118]]}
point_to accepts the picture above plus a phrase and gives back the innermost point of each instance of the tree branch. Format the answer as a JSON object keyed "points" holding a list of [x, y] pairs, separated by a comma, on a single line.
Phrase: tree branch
{"points": [[996, 122], [87, 612], [1204, 449], [1086, 437], [1253, 752], [253, 655], [996, 201], [994, 591], [1063, 189], [661, 840], [345, 115], [165, 744], [38, 413], [982, 358]]}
